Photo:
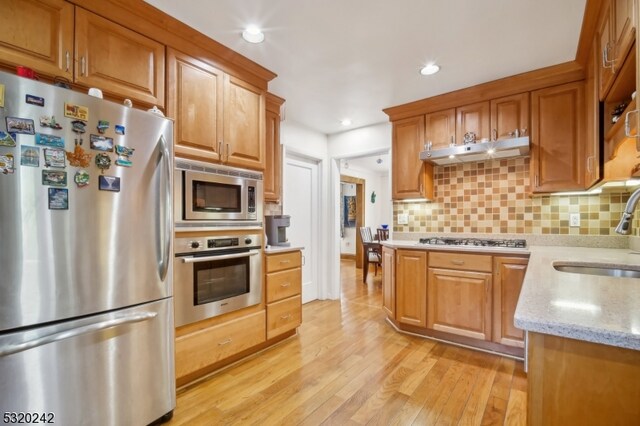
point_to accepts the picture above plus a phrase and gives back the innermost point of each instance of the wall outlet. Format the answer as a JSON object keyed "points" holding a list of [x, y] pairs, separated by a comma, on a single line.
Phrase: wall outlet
{"points": [[403, 219], [574, 220]]}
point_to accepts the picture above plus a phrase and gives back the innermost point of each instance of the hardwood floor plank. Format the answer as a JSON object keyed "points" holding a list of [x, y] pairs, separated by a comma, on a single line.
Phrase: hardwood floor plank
{"points": [[347, 366]]}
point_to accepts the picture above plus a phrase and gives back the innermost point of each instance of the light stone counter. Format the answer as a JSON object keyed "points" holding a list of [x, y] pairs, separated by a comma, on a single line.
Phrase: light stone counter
{"points": [[281, 249], [579, 306], [414, 245]]}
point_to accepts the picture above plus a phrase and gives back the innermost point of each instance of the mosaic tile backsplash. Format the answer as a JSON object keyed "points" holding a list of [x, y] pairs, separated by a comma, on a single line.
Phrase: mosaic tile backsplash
{"points": [[493, 197]]}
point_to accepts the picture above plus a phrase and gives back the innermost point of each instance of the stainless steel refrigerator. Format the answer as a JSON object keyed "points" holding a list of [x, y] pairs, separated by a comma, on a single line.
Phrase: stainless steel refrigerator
{"points": [[86, 306]]}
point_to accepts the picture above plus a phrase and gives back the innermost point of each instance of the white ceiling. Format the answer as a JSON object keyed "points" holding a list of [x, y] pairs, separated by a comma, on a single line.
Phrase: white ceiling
{"points": [[352, 58], [369, 163]]}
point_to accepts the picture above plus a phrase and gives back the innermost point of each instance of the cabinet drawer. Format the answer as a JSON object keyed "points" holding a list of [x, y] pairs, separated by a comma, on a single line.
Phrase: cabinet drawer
{"points": [[279, 262], [205, 347], [460, 261], [283, 316], [283, 284]]}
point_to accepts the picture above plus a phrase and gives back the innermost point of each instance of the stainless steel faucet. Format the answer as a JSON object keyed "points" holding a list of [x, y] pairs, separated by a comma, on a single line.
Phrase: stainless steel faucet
{"points": [[624, 227]]}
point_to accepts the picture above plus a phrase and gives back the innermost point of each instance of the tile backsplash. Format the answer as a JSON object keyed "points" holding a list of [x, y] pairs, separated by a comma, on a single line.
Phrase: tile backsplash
{"points": [[493, 197]]}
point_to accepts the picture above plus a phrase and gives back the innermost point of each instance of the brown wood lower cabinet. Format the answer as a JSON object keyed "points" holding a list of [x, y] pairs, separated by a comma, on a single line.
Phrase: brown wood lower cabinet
{"points": [[411, 287], [388, 282], [508, 275], [284, 289], [283, 316], [198, 350]]}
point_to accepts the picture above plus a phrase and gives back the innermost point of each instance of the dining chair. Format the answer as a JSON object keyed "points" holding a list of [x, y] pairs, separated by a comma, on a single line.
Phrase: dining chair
{"points": [[371, 252], [383, 234]]}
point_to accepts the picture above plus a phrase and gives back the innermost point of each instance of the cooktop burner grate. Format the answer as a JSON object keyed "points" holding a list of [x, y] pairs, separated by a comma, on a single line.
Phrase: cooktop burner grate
{"points": [[507, 243]]}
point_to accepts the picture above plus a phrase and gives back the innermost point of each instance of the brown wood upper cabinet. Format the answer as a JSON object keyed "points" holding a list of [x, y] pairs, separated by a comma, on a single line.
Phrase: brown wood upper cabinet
{"points": [[411, 287], [616, 35], [557, 138], [473, 118], [508, 114], [411, 178], [120, 62], [273, 150], [219, 118], [440, 128]]}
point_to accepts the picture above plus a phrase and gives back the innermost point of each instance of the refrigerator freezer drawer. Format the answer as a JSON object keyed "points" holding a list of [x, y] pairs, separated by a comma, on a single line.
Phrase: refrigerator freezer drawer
{"points": [[110, 369]]}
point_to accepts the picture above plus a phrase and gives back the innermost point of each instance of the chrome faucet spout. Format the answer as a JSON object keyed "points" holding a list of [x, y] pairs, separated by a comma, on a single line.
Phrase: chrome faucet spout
{"points": [[624, 226]]}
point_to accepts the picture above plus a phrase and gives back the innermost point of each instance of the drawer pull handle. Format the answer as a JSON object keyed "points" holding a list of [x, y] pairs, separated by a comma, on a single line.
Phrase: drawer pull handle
{"points": [[285, 317], [285, 284], [458, 262], [282, 262], [225, 342]]}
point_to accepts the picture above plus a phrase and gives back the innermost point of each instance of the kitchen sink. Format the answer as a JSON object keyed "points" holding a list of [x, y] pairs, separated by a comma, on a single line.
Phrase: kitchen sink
{"points": [[595, 269]]}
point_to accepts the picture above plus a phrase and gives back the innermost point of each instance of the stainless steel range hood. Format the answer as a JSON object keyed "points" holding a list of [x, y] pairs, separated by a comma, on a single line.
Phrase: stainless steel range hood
{"points": [[482, 151]]}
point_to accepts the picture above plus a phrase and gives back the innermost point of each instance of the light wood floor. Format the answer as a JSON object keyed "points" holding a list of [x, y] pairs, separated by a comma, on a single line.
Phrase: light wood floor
{"points": [[347, 366]]}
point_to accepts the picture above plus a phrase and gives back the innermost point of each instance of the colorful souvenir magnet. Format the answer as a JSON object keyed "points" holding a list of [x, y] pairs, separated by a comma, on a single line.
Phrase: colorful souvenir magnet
{"points": [[103, 125], [54, 178], [76, 111], [103, 161], [49, 140], [81, 178], [34, 100], [109, 183], [7, 139], [30, 156], [20, 125], [101, 143], [54, 157], [78, 126], [119, 129], [123, 155], [58, 199], [46, 121], [1, 95], [6, 164], [79, 157]]}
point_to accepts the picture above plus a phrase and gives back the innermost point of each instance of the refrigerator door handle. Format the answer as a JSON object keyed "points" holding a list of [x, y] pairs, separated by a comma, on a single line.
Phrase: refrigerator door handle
{"points": [[166, 203], [220, 257], [75, 332]]}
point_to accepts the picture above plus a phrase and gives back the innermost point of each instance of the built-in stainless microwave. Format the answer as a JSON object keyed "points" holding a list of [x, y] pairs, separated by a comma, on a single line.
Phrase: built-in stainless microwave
{"points": [[209, 194]]}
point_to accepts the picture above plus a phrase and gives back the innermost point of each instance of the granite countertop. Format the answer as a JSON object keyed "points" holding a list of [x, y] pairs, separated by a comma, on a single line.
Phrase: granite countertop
{"points": [[414, 245], [281, 249], [593, 308]]}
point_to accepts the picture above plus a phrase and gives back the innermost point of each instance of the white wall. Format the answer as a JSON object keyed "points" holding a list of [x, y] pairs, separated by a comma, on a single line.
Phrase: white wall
{"points": [[365, 140]]}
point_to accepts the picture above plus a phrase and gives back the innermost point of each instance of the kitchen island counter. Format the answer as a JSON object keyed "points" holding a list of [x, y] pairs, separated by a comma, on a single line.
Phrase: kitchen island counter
{"points": [[598, 309], [415, 245]]}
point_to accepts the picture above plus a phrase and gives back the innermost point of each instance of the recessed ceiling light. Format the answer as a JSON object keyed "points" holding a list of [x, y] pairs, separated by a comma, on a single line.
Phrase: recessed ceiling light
{"points": [[346, 122], [253, 35], [430, 69]]}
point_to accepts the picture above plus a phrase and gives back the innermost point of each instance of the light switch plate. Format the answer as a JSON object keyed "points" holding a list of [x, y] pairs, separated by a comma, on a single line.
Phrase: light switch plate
{"points": [[403, 219], [574, 220]]}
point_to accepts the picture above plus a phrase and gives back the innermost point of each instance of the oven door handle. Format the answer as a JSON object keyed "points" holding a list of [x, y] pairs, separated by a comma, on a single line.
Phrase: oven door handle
{"points": [[219, 257]]}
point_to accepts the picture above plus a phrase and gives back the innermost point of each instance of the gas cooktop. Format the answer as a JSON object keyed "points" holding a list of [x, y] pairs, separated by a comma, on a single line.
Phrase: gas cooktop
{"points": [[479, 242]]}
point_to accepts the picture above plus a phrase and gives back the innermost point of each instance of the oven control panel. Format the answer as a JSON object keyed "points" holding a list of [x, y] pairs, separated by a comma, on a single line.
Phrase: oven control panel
{"points": [[214, 243]]}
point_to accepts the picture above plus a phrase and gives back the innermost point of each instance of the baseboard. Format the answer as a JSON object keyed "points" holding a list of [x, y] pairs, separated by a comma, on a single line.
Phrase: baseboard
{"points": [[347, 256]]}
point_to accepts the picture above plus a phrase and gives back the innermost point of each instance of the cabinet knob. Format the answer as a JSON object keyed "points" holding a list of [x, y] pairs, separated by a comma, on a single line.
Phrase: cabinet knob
{"points": [[458, 262], [67, 58], [83, 63], [225, 342], [285, 284]]}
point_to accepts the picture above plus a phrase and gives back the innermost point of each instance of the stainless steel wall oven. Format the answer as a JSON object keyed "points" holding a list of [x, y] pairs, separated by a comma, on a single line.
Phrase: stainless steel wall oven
{"points": [[215, 275]]}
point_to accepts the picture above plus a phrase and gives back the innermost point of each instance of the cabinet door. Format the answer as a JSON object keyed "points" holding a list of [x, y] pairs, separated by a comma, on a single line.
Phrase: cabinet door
{"points": [[411, 287], [460, 302], [592, 129], [606, 50], [557, 138], [411, 178], [472, 118], [624, 25], [508, 277], [194, 101], [117, 60], [440, 128], [388, 282], [244, 134], [508, 114], [273, 150], [38, 35]]}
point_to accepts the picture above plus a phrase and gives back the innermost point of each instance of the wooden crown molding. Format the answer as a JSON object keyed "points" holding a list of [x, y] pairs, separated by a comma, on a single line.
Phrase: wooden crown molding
{"points": [[592, 11], [147, 20], [274, 102], [532, 80]]}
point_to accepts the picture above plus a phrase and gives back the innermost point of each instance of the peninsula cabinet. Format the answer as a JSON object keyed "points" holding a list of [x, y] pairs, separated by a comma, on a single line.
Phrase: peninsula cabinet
{"points": [[459, 294], [558, 128], [473, 118], [440, 128], [219, 118], [91, 52], [411, 178], [411, 287], [273, 150], [508, 275], [388, 282]]}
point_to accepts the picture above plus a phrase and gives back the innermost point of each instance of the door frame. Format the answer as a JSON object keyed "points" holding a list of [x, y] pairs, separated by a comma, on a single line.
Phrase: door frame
{"points": [[360, 206]]}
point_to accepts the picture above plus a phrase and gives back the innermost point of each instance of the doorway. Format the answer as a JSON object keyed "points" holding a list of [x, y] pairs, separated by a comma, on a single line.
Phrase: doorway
{"points": [[301, 202], [351, 217]]}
